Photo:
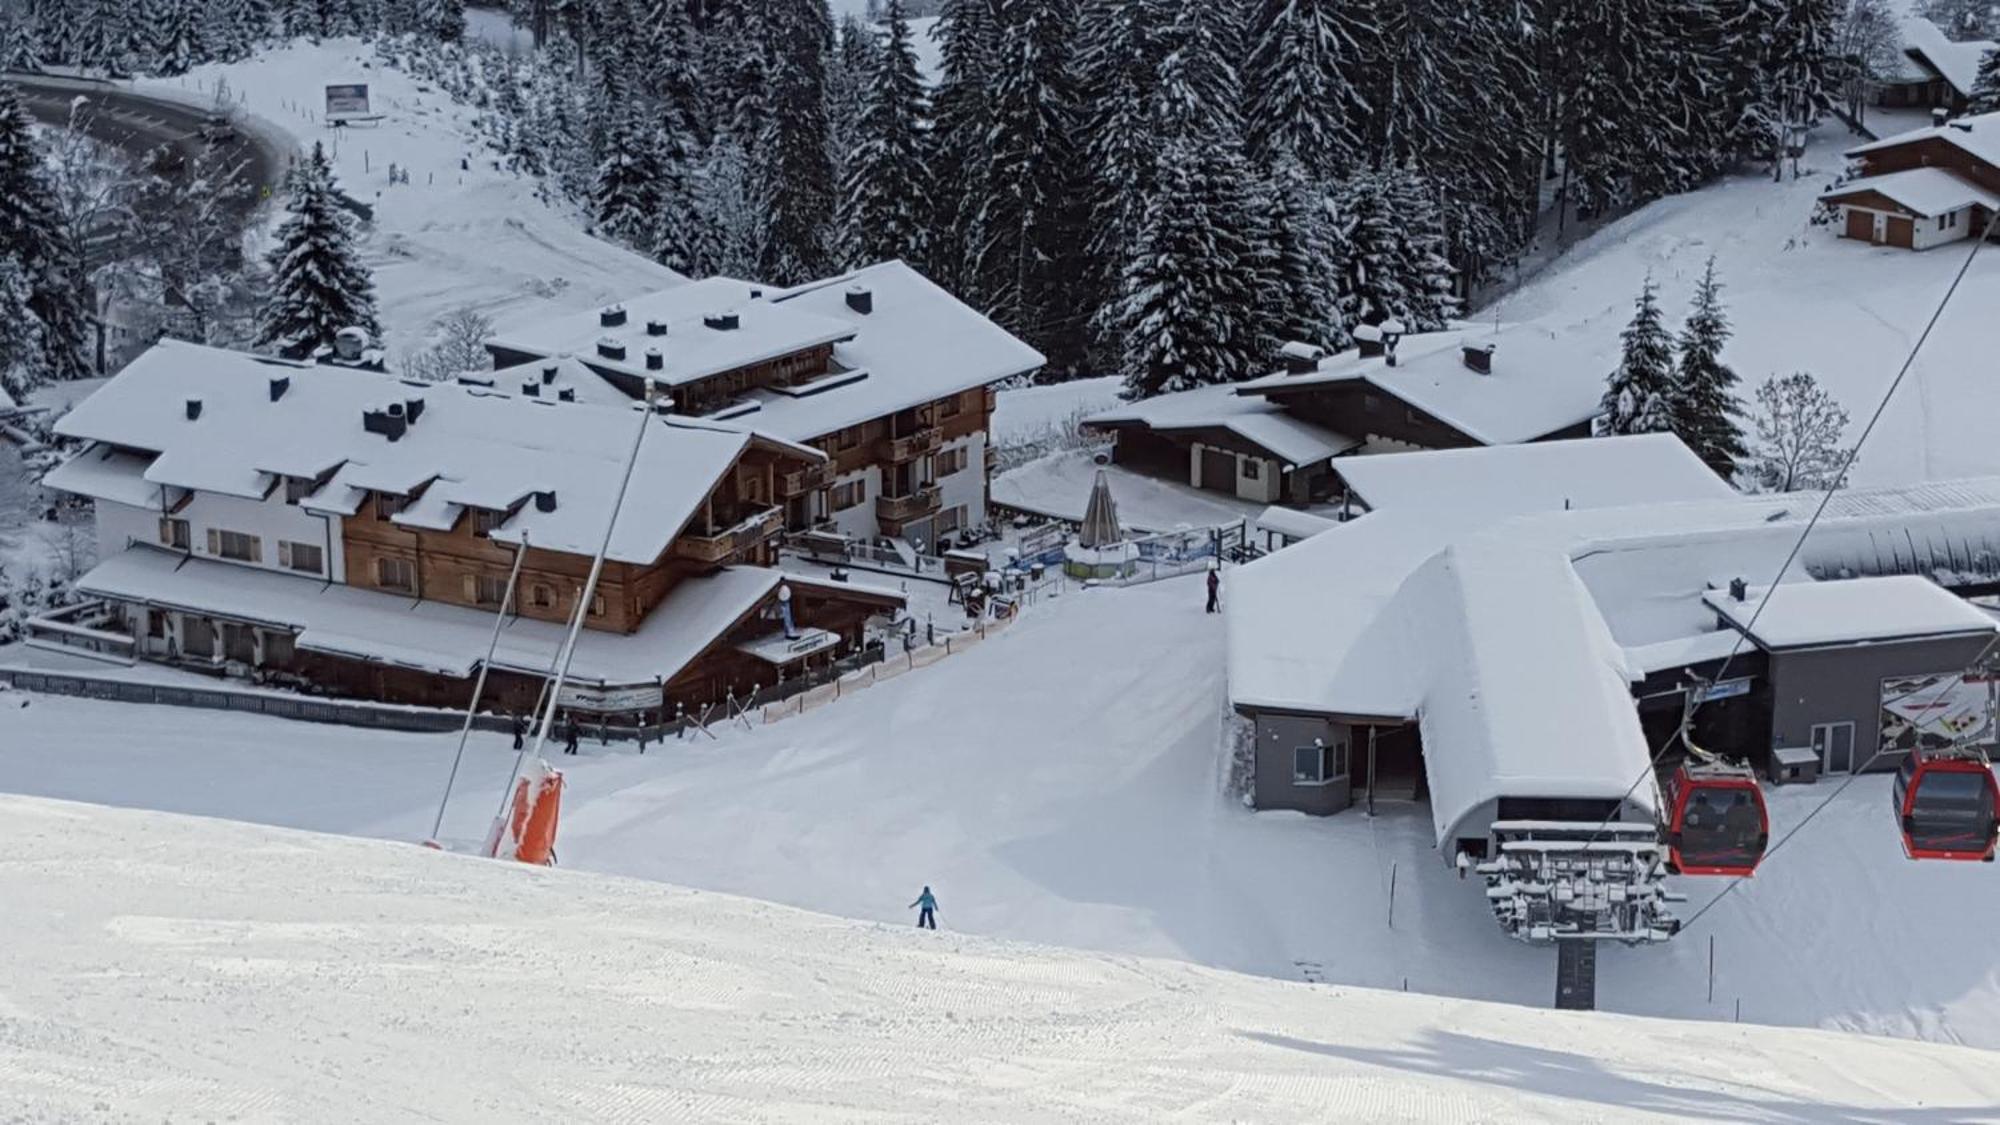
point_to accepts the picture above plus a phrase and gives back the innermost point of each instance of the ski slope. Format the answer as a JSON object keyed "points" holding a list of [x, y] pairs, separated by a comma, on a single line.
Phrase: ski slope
{"points": [[460, 233], [1062, 783], [171, 968]]}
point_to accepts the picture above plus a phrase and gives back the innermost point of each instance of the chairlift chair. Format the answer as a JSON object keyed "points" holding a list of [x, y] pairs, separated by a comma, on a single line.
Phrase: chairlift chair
{"points": [[1948, 804], [1717, 821]]}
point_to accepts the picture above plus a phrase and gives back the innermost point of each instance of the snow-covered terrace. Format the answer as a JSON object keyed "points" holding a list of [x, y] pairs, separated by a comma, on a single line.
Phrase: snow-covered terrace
{"points": [[1260, 422], [556, 468], [1538, 476], [434, 637], [1540, 381]]}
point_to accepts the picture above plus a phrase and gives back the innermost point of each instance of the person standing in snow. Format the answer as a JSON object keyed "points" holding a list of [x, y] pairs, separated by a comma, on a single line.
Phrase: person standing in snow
{"points": [[1214, 587], [569, 734], [520, 729], [926, 907]]}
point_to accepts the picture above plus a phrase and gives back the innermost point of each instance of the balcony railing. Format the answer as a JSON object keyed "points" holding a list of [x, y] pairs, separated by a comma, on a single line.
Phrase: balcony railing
{"points": [[721, 545], [911, 446], [897, 509], [800, 481]]}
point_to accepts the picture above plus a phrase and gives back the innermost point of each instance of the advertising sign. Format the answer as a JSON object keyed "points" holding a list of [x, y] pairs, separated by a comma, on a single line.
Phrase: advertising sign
{"points": [[347, 100], [1935, 711], [645, 697]]}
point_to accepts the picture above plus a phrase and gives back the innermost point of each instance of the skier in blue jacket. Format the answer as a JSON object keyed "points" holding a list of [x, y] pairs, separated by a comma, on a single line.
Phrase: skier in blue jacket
{"points": [[926, 906]]}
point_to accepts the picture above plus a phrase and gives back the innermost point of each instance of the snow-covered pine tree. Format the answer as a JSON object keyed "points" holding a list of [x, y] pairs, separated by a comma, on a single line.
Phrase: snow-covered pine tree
{"points": [[1120, 46], [1309, 253], [1704, 403], [1196, 299], [442, 20], [968, 36], [23, 355], [886, 196], [742, 43], [1639, 393], [298, 18], [319, 284], [111, 34], [730, 232], [1985, 96], [31, 233], [177, 41], [234, 28], [1302, 56], [626, 196], [1430, 299], [20, 40], [849, 68], [1801, 69], [1029, 263], [1374, 282], [791, 170]]}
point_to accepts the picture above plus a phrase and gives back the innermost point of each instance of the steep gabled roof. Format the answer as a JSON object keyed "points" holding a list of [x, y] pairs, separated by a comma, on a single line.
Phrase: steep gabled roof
{"points": [[1928, 192], [1978, 136]]}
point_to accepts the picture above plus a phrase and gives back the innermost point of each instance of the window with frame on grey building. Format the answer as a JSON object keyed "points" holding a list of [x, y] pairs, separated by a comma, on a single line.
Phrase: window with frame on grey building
{"points": [[305, 557], [1320, 763]]}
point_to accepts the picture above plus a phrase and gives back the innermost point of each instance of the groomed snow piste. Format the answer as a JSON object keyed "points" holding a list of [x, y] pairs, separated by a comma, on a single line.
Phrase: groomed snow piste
{"points": [[164, 968]]}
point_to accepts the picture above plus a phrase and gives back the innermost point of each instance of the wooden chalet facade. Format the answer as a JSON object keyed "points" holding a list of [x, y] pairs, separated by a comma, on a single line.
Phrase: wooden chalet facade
{"points": [[1926, 188]]}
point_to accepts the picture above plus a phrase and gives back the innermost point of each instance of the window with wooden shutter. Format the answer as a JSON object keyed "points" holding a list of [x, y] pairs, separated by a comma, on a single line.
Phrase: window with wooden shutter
{"points": [[214, 541], [284, 554], [174, 533]]}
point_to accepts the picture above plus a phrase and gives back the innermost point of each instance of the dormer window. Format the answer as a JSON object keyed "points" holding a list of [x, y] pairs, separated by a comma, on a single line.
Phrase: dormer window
{"points": [[388, 504], [484, 520], [298, 488]]}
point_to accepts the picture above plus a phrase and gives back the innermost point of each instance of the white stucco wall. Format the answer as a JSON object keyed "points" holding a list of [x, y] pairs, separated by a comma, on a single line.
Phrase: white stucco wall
{"points": [[968, 485], [858, 521], [1265, 487], [271, 520], [1927, 234]]}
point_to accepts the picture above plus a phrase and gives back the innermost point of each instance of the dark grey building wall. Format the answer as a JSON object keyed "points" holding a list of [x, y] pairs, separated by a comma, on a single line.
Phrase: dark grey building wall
{"points": [[1844, 685], [1277, 736]]}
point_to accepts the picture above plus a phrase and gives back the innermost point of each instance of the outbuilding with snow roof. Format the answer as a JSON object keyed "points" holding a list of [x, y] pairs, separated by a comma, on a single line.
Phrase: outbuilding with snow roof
{"points": [[1923, 188]]}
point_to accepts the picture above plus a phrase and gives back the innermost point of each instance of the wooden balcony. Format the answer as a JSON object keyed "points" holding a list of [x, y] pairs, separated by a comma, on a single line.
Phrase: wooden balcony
{"points": [[911, 446], [722, 545], [898, 510], [801, 481]]}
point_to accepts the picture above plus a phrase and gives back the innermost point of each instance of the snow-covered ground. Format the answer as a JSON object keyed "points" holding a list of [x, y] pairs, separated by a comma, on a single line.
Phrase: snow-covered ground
{"points": [[1024, 415], [460, 232], [171, 968], [1063, 783], [1059, 486], [1802, 299]]}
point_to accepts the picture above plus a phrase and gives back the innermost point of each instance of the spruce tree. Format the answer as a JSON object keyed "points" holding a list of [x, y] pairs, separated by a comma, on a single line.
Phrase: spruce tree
{"points": [[31, 233], [177, 41], [792, 172], [626, 196], [1120, 47], [849, 68], [1430, 300], [23, 357], [1639, 394], [968, 37], [1704, 405], [234, 28], [1374, 286], [319, 284], [886, 199], [20, 40], [1985, 96], [1309, 253], [442, 20], [1303, 54]]}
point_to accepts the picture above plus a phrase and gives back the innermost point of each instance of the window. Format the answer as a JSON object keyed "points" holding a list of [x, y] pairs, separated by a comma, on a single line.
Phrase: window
{"points": [[597, 605], [952, 460], [484, 520], [235, 545], [847, 495], [174, 533], [279, 648], [951, 407], [486, 589], [847, 438], [1251, 467], [298, 488], [1319, 764], [301, 556], [542, 596], [396, 574], [1942, 222], [388, 504]]}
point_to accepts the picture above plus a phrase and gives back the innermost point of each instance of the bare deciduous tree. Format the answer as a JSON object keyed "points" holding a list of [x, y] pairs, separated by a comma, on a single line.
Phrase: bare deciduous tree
{"points": [[1871, 44], [1800, 428], [457, 345]]}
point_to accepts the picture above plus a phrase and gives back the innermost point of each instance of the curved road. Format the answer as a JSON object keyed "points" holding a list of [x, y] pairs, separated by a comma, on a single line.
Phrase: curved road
{"points": [[138, 123]]}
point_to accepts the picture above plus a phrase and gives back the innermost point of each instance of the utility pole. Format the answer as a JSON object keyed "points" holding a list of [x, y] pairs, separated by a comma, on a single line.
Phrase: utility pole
{"points": [[1576, 974]]}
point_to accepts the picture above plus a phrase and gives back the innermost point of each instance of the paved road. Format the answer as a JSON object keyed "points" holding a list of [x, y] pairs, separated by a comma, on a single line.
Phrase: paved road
{"points": [[136, 124]]}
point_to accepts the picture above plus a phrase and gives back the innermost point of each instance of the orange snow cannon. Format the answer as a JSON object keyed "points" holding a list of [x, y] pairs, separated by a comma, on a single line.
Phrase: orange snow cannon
{"points": [[537, 803]]}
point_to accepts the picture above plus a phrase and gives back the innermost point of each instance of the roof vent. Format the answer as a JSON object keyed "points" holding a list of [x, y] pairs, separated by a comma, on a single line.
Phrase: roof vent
{"points": [[1478, 357], [279, 385], [545, 501], [654, 359], [567, 394], [723, 322], [861, 299], [609, 348], [1939, 115], [611, 317], [413, 409], [656, 328], [389, 423], [1299, 357], [193, 409], [1392, 334], [349, 343], [531, 388], [1368, 340], [756, 294], [1739, 590], [549, 373]]}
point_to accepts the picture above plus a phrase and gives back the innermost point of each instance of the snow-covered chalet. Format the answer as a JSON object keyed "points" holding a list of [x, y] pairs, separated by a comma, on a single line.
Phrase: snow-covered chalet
{"points": [[1924, 188], [350, 533], [883, 372]]}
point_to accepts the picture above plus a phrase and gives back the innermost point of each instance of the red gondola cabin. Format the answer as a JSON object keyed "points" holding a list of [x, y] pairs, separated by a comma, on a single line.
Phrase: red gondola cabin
{"points": [[1719, 825], [1948, 805]]}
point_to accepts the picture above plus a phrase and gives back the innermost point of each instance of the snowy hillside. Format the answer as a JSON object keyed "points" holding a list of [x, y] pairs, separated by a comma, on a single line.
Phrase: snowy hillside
{"points": [[451, 236], [1062, 783], [173, 968]]}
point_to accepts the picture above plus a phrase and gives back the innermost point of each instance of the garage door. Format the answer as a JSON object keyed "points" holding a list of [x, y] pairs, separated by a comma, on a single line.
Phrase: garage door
{"points": [[1860, 224], [1218, 470], [1902, 232]]}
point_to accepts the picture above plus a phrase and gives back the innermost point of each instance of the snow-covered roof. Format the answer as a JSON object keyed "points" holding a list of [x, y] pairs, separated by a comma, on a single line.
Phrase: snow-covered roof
{"points": [[468, 447], [1503, 636], [102, 472], [1292, 523], [1978, 135], [436, 637], [1258, 421], [698, 339], [1890, 607], [1541, 382], [1956, 61], [553, 377], [1537, 476], [1926, 191]]}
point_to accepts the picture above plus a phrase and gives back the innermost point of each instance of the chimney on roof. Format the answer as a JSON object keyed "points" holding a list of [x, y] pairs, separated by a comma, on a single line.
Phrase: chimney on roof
{"points": [[611, 316], [756, 294], [1368, 339], [545, 501], [193, 409], [567, 394], [609, 348], [1478, 357], [531, 388], [1299, 357], [413, 408], [349, 343], [861, 299], [1939, 115], [279, 385], [656, 328], [389, 423], [549, 372], [655, 359], [1392, 334], [723, 322], [1738, 590]]}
